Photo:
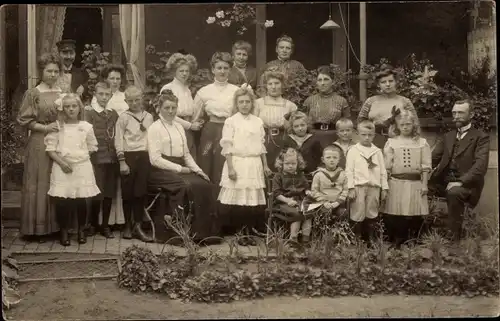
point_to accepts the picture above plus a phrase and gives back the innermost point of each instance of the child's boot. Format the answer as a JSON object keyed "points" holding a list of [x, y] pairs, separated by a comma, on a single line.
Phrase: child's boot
{"points": [[95, 208], [63, 224], [127, 211], [106, 211], [81, 211]]}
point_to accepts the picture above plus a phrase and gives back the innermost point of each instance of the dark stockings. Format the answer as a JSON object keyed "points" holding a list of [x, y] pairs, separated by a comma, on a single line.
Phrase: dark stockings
{"points": [[64, 208]]}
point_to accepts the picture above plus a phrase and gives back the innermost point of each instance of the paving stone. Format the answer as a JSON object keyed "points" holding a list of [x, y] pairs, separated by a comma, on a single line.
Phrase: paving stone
{"points": [[16, 248], [45, 247], [30, 246], [58, 248], [73, 248]]}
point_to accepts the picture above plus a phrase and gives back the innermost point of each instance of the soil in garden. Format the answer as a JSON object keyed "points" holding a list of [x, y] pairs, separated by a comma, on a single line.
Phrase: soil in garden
{"points": [[91, 300]]}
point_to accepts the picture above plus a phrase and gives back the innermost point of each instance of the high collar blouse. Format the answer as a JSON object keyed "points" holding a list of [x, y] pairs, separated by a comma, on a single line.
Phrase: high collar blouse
{"points": [[185, 107], [327, 107], [215, 99], [272, 110]]}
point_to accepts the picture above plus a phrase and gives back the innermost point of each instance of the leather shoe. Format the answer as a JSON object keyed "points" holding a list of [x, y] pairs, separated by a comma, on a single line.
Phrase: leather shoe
{"points": [[139, 234]]}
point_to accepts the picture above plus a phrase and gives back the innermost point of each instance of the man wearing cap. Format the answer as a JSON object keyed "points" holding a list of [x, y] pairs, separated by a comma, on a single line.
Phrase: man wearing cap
{"points": [[72, 79]]}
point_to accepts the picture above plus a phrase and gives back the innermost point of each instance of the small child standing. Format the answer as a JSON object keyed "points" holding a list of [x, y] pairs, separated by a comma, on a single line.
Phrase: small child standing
{"points": [[345, 131], [300, 138], [289, 188], [366, 180], [408, 162], [329, 185], [242, 181], [72, 179], [105, 163], [132, 152]]}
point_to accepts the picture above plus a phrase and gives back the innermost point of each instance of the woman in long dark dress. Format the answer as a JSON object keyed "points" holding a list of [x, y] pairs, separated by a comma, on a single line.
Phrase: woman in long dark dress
{"points": [[175, 171], [38, 114], [378, 108]]}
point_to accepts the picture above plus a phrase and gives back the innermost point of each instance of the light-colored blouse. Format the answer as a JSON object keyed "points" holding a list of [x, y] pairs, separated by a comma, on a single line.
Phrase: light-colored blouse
{"points": [[215, 99], [272, 110], [185, 107], [378, 108], [128, 135], [243, 136], [72, 141], [169, 140], [407, 155]]}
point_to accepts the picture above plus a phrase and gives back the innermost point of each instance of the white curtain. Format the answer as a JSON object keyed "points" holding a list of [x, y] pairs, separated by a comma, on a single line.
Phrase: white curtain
{"points": [[132, 33], [50, 27]]}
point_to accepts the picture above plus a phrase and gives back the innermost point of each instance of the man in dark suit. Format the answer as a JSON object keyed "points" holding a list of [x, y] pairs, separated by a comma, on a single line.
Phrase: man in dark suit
{"points": [[72, 79], [460, 161]]}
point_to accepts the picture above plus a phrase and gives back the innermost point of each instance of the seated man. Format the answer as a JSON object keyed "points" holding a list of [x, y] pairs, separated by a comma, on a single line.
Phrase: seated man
{"points": [[460, 161]]}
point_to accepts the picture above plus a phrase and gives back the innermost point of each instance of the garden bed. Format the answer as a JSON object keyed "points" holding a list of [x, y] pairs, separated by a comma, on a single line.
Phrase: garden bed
{"points": [[346, 271]]}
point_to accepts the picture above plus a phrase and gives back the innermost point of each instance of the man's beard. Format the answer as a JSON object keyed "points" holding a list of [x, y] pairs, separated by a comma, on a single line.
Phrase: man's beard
{"points": [[68, 62]]}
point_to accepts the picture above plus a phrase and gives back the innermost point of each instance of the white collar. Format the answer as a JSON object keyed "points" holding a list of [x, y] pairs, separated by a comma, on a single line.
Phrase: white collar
{"points": [[363, 149], [95, 105], [43, 87], [67, 68], [164, 121], [464, 128], [179, 83]]}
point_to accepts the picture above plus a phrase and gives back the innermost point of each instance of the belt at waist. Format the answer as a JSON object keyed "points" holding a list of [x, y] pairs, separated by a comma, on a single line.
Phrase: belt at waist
{"points": [[174, 159], [324, 126], [407, 176], [215, 119]]}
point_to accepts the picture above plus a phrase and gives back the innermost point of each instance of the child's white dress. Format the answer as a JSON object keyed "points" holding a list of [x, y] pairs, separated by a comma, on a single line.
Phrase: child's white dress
{"points": [[73, 142], [406, 157], [243, 138]]}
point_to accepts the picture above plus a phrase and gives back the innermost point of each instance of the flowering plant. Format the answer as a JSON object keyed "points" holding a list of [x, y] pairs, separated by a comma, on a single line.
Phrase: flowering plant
{"points": [[241, 15], [93, 62]]}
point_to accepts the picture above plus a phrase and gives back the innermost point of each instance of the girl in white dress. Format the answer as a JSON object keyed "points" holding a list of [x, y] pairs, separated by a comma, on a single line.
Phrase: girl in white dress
{"points": [[72, 179], [242, 182], [408, 162]]}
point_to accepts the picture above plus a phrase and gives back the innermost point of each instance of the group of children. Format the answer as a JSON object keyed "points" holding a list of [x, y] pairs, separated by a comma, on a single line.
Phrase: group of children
{"points": [[94, 145], [91, 149], [341, 177]]}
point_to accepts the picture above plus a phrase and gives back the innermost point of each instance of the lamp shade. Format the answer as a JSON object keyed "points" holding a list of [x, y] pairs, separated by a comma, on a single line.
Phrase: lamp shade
{"points": [[329, 24]]}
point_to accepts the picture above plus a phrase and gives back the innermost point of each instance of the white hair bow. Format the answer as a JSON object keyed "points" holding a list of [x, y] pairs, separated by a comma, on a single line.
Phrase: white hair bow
{"points": [[247, 87], [58, 102]]}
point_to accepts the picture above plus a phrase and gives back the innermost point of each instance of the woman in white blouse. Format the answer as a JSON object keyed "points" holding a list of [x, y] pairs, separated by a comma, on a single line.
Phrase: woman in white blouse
{"points": [[182, 67], [214, 101], [174, 170], [271, 109]]}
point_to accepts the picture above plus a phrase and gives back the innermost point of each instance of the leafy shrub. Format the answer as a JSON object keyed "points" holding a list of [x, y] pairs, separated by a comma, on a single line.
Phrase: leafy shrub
{"points": [[433, 95], [93, 62], [12, 140], [10, 295]]}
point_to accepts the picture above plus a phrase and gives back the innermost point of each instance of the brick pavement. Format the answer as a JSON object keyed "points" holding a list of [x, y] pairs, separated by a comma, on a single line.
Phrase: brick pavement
{"points": [[12, 241]]}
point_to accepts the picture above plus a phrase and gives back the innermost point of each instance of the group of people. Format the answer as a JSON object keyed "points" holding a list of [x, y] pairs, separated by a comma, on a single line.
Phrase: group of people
{"points": [[210, 155]]}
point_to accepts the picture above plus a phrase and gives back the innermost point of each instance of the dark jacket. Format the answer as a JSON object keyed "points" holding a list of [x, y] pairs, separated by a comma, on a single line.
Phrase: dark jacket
{"points": [[471, 159], [104, 130], [310, 150], [289, 185], [238, 79]]}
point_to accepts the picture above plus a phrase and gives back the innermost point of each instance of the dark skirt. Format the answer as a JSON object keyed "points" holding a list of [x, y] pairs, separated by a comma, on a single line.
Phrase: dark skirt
{"points": [[325, 137], [191, 192], [37, 211], [135, 184], [191, 142], [210, 158], [274, 144]]}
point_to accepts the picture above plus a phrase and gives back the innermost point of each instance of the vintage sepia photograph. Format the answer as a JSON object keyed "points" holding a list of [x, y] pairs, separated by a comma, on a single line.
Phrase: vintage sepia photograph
{"points": [[249, 160]]}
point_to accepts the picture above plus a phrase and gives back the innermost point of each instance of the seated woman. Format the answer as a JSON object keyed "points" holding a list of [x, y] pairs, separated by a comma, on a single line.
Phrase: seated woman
{"points": [[173, 170]]}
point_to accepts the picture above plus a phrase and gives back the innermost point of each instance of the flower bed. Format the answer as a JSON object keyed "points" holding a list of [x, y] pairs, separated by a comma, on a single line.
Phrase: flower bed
{"points": [[348, 270]]}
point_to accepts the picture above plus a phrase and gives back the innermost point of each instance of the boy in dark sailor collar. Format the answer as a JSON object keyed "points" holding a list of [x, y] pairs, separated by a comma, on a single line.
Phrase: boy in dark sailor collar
{"points": [[104, 161], [329, 185], [131, 150]]}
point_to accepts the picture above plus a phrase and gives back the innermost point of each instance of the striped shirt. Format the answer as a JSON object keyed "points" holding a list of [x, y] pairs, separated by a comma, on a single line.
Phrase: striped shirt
{"points": [[378, 108], [272, 111], [326, 108]]}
